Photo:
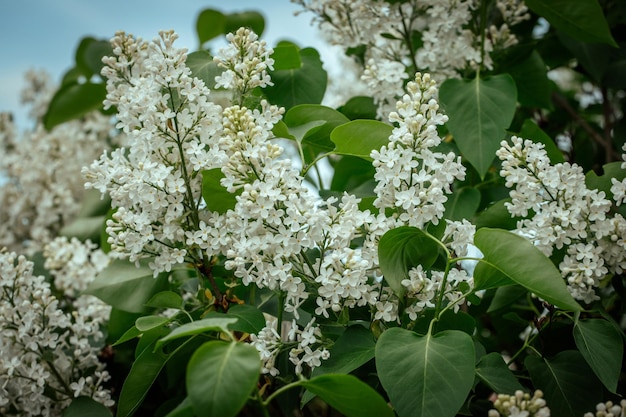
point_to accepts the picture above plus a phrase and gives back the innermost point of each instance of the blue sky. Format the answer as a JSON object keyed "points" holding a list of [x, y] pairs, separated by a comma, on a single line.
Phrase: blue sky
{"points": [[44, 33]]}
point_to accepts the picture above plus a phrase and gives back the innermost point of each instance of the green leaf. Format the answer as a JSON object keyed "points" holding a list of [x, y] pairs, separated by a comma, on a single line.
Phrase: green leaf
{"points": [[142, 375], [210, 24], [86, 407], [84, 228], [530, 130], [426, 376], [594, 58], [212, 324], [126, 287], [184, 409], [216, 197], [202, 67], [601, 346], [496, 375], [479, 111], [146, 323], [248, 319], [72, 101], [360, 137], [352, 173], [354, 348], [603, 182], [286, 57], [531, 79], [496, 216], [569, 386], [166, 299], [323, 120], [516, 258], [360, 107], [506, 297], [130, 334], [305, 85], [94, 204], [462, 204], [581, 19], [349, 395], [402, 249], [89, 55], [249, 19], [221, 376]]}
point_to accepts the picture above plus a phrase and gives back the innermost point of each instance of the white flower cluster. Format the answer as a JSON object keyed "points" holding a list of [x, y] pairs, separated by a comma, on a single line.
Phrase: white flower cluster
{"points": [[447, 43], [303, 345], [246, 60], [41, 191], [520, 405], [73, 264], [278, 235], [49, 355], [608, 409], [410, 177], [560, 212], [618, 188], [155, 183]]}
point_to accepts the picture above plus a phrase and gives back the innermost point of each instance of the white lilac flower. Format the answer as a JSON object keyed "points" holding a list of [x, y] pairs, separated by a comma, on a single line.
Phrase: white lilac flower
{"points": [[174, 131], [246, 61], [561, 212], [446, 47], [41, 192], [44, 347], [411, 178], [520, 404], [609, 409], [618, 188]]}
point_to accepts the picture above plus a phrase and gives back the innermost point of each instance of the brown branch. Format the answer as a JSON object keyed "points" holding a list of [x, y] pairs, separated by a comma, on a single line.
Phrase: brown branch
{"points": [[610, 154]]}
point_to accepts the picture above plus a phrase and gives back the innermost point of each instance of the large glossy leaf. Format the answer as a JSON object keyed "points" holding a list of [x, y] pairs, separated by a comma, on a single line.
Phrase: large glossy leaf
{"points": [[311, 125], [210, 24], [216, 197], [211, 324], [479, 111], [581, 19], [531, 78], [353, 348], [462, 204], [249, 19], [248, 318], [84, 228], [305, 85], [568, 384], [126, 287], [493, 371], [142, 375], [89, 55], [360, 137], [73, 101], [203, 67], [517, 259], [359, 107], [530, 130], [349, 395], [594, 58], [603, 182], [402, 249], [425, 376], [601, 346], [221, 376], [286, 56], [86, 407], [496, 216]]}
